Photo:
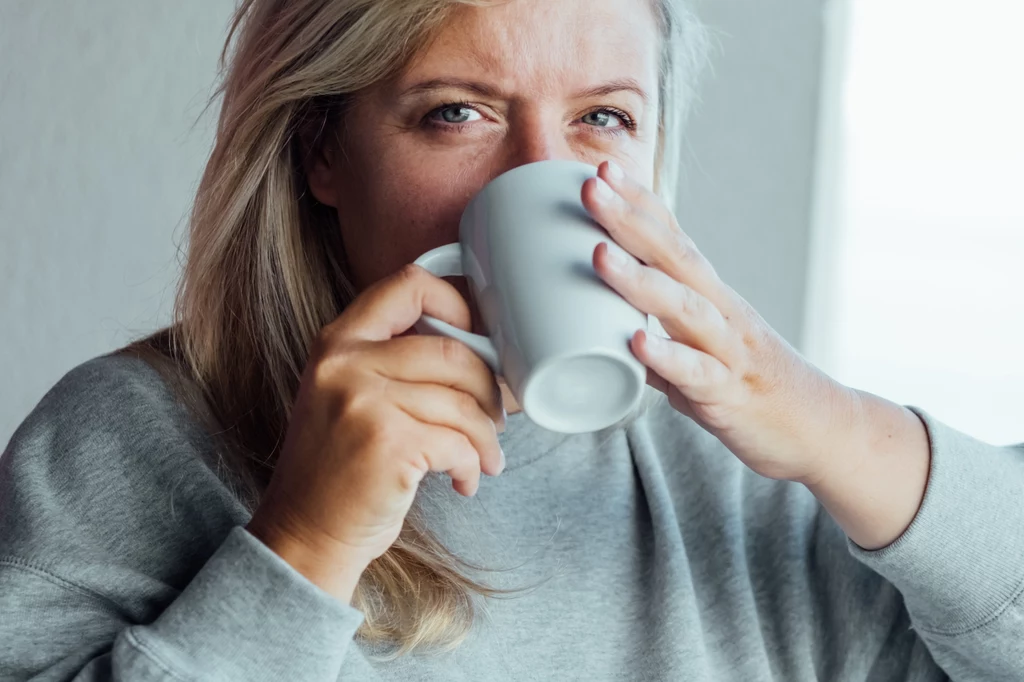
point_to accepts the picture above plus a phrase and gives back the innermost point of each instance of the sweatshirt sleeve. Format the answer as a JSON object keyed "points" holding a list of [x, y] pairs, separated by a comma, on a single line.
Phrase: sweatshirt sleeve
{"points": [[246, 615], [960, 563], [124, 556]]}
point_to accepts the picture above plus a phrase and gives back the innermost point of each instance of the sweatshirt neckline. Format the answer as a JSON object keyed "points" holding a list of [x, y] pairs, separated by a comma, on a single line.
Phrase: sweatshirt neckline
{"points": [[524, 442]]}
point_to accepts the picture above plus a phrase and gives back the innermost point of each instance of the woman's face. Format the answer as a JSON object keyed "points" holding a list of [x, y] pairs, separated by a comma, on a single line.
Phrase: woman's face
{"points": [[500, 87]]}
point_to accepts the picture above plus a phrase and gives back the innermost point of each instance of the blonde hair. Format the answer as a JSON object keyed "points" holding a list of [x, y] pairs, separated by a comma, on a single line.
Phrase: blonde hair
{"points": [[266, 270]]}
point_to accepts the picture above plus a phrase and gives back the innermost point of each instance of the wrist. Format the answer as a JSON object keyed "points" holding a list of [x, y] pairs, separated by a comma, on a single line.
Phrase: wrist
{"points": [[835, 429], [329, 568], [878, 474]]}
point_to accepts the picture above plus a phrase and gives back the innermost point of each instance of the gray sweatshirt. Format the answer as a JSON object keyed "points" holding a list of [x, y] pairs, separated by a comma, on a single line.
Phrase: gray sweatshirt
{"points": [[654, 554]]}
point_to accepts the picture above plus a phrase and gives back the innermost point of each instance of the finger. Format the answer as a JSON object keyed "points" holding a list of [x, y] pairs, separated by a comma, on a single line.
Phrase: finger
{"points": [[636, 192], [450, 452], [657, 243], [430, 359], [698, 376], [686, 315], [394, 304], [442, 406], [657, 381], [676, 399]]}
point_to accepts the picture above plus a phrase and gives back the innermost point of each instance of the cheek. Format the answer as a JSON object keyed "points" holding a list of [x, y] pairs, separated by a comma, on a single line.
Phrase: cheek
{"points": [[403, 213], [422, 210]]}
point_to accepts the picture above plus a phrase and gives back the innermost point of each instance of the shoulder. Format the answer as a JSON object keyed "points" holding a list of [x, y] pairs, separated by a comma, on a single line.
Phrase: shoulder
{"points": [[108, 458], [105, 411]]}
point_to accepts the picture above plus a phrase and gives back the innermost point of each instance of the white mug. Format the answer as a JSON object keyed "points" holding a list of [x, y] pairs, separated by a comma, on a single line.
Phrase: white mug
{"points": [[557, 333]]}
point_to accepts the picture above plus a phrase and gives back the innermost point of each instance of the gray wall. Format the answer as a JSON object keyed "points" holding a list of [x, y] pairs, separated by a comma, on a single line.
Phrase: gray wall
{"points": [[98, 162], [745, 197]]}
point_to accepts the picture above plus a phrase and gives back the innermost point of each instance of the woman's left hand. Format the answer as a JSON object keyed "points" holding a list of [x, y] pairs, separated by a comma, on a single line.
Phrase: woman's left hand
{"points": [[723, 365]]}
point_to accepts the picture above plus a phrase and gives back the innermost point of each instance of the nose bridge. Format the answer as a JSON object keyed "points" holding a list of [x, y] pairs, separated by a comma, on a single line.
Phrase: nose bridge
{"points": [[538, 138]]}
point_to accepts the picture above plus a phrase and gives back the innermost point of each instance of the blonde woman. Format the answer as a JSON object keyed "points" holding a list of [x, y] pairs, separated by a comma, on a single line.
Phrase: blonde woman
{"points": [[286, 483]]}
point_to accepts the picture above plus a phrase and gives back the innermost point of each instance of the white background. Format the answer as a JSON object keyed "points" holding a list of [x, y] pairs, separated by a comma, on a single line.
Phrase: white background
{"points": [[924, 278]]}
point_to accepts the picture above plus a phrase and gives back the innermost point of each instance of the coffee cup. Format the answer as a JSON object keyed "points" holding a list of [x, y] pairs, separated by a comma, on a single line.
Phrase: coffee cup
{"points": [[556, 332]]}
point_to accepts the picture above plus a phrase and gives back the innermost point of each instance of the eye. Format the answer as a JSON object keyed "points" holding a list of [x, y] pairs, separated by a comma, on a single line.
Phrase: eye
{"points": [[453, 113], [600, 118], [456, 117]]}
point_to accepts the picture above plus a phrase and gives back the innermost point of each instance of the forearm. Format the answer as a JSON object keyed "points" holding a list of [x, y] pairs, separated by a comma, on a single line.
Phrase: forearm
{"points": [[875, 473]]}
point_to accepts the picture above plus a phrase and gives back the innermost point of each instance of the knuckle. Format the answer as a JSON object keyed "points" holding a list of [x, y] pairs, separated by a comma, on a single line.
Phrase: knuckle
{"points": [[363, 404], [329, 369], [413, 276], [325, 343], [687, 301], [359, 407], [377, 432], [466, 405], [632, 215], [682, 249], [411, 272], [459, 453], [646, 281], [325, 368], [466, 449], [698, 373], [707, 372], [323, 379], [409, 477], [452, 351]]}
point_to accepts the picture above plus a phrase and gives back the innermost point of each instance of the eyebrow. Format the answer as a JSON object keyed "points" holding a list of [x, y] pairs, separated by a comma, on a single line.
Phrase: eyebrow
{"points": [[485, 90]]}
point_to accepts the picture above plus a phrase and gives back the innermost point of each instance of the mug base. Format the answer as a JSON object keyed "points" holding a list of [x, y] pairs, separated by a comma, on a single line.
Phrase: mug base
{"points": [[583, 393]]}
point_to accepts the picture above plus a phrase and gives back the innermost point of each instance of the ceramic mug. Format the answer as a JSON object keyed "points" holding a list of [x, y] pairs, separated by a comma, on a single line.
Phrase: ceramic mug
{"points": [[556, 332]]}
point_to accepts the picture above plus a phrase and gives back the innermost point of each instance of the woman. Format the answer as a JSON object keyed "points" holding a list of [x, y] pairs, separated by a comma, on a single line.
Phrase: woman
{"points": [[260, 492]]}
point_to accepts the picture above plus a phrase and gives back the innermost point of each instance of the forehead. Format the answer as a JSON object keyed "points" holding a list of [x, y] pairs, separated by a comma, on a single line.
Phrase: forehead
{"points": [[546, 46]]}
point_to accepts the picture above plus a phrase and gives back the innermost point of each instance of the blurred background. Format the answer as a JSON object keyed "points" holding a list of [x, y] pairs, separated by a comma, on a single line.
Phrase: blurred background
{"points": [[854, 169]]}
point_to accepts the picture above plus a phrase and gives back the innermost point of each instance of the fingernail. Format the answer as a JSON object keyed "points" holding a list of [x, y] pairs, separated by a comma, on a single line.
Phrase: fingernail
{"points": [[615, 258], [604, 192], [615, 172], [501, 467]]}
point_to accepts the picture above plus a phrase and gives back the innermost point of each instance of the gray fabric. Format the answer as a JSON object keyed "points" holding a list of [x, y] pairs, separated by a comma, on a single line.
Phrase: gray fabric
{"points": [[654, 554]]}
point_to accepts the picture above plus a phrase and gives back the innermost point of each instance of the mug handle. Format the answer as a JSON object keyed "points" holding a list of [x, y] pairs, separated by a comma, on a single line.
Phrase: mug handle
{"points": [[446, 261]]}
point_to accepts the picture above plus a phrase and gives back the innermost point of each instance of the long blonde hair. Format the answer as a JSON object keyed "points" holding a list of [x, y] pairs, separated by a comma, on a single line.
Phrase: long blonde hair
{"points": [[266, 270]]}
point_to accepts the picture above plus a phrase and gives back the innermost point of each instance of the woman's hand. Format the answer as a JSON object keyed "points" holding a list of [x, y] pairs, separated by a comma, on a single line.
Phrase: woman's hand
{"points": [[375, 411], [865, 458], [723, 365]]}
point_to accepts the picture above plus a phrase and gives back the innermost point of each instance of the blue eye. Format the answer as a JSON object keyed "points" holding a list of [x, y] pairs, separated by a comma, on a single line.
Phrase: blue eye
{"points": [[456, 117], [600, 118], [461, 116]]}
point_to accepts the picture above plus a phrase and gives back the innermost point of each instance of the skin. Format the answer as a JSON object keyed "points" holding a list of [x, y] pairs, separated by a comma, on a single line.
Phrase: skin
{"points": [[406, 174], [411, 178]]}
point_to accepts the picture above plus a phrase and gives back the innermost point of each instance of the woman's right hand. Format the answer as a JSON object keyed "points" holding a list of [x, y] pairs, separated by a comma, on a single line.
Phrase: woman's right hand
{"points": [[375, 411]]}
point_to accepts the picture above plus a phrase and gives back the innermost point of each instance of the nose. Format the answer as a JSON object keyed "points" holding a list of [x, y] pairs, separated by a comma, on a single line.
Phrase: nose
{"points": [[537, 138]]}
